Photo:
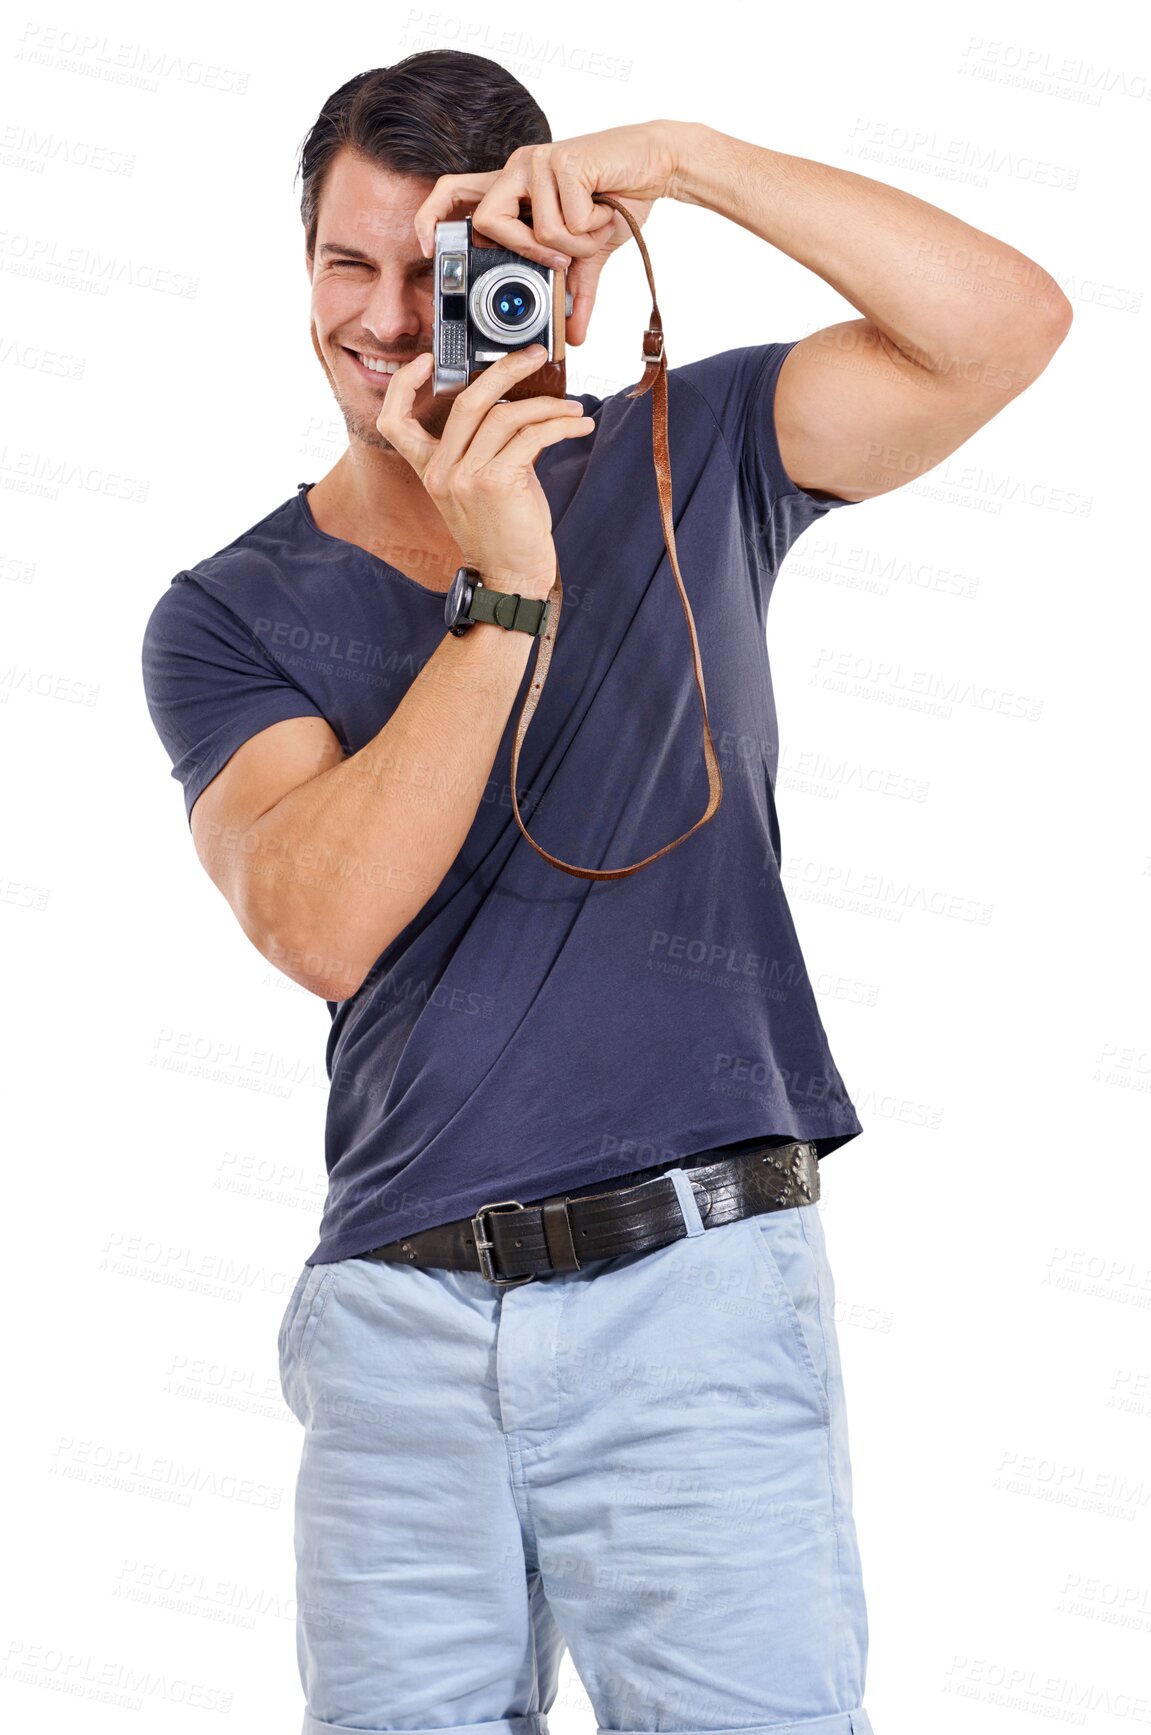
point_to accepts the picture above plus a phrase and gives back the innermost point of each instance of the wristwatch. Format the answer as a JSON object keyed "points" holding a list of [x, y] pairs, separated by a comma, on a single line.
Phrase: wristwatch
{"points": [[470, 600]]}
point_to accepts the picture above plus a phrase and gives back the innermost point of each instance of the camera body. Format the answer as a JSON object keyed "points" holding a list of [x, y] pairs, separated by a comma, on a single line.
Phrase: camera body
{"points": [[488, 302]]}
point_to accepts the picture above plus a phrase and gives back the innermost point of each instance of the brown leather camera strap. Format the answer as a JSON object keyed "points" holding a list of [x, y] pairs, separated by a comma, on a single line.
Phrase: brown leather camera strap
{"points": [[654, 380]]}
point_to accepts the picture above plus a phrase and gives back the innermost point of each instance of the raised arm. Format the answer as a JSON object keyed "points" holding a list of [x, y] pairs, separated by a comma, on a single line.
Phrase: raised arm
{"points": [[954, 322]]}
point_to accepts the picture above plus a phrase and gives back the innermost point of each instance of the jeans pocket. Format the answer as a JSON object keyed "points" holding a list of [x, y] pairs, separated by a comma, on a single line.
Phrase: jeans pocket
{"points": [[294, 1301], [789, 1245], [298, 1326]]}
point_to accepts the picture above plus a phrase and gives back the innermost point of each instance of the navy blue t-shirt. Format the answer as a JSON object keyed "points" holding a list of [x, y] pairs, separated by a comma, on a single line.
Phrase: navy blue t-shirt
{"points": [[529, 1032]]}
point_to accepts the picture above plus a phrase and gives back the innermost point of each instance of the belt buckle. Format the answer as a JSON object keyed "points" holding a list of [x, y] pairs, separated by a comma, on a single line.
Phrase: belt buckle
{"points": [[484, 1246]]}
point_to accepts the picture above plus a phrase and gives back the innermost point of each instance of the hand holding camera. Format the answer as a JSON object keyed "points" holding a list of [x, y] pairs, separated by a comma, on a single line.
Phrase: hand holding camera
{"points": [[559, 183], [480, 471], [480, 474]]}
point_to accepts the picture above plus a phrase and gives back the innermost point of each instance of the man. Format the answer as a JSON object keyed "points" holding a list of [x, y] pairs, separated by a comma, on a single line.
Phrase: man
{"points": [[565, 1354]]}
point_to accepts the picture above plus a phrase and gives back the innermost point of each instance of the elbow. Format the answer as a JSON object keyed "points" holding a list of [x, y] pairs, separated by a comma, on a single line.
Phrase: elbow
{"points": [[1042, 333], [1057, 319], [325, 964], [314, 966], [1016, 355], [340, 988], [1017, 337]]}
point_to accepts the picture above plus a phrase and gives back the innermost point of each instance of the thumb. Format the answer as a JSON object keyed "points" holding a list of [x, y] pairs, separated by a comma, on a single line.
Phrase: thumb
{"points": [[582, 279]]}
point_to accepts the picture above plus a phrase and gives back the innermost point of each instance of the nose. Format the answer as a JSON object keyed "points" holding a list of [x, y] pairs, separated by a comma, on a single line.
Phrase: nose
{"points": [[393, 310]]}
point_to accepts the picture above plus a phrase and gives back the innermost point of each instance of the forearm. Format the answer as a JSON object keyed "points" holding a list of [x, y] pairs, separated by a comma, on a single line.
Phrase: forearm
{"points": [[943, 293], [348, 858]]}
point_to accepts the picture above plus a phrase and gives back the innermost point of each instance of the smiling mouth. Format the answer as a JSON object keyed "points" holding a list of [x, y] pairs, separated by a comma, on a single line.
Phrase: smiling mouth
{"points": [[379, 373]]}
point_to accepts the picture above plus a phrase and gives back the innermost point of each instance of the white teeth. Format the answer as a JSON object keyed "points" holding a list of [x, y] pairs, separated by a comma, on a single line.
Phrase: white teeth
{"points": [[379, 367]]}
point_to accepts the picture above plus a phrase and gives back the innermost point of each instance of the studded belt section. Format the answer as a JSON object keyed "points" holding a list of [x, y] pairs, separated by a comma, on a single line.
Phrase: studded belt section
{"points": [[509, 1242]]}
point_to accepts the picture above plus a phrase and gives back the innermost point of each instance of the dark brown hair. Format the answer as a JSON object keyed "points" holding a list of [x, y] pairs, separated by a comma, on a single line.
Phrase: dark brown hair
{"points": [[439, 112]]}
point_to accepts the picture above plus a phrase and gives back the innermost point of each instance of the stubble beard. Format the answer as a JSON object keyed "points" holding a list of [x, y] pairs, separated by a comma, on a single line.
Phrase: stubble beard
{"points": [[361, 428]]}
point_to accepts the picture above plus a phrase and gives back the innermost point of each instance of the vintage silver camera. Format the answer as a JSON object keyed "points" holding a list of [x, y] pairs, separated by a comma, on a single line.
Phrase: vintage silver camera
{"points": [[489, 301]]}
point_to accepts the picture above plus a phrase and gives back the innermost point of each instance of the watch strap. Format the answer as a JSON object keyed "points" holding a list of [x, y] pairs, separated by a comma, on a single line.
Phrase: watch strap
{"points": [[501, 608]]}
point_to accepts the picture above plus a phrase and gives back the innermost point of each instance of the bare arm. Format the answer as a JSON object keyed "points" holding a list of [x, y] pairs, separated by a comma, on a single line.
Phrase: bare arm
{"points": [[324, 878], [325, 862], [955, 323]]}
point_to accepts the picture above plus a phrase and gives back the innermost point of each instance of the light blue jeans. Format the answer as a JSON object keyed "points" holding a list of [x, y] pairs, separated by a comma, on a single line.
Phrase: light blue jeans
{"points": [[644, 1462]]}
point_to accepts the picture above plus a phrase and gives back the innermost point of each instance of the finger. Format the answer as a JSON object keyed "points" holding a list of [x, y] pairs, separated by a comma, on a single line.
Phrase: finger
{"points": [[583, 281], [619, 232], [450, 193], [547, 224], [397, 423], [476, 399], [497, 216], [530, 442], [547, 220], [504, 421], [585, 221]]}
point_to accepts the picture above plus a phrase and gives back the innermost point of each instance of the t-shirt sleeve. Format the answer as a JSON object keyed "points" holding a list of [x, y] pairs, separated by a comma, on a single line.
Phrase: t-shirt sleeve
{"points": [[738, 385], [210, 685]]}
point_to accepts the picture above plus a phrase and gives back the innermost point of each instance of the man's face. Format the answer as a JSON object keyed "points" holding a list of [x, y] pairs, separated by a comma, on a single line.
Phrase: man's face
{"points": [[372, 291]]}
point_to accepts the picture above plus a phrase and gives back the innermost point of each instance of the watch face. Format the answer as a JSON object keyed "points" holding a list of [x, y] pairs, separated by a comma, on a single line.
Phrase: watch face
{"points": [[459, 598]]}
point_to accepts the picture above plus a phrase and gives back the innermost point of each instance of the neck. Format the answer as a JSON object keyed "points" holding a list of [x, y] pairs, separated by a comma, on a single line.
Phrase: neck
{"points": [[375, 500], [379, 485]]}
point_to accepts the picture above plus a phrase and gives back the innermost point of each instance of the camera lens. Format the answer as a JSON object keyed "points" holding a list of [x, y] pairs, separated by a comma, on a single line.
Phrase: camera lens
{"points": [[513, 304], [507, 303]]}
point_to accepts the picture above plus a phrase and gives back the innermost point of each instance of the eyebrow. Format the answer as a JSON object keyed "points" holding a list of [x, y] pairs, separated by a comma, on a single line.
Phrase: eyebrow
{"points": [[353, 252]]}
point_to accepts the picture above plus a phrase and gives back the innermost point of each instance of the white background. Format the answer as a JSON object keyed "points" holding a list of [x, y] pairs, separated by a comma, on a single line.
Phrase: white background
{"points": [[165, 1086]]}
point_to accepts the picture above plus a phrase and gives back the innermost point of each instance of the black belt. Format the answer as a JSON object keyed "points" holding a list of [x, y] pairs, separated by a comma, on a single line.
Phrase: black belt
{"points": [[509, 1242]]}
